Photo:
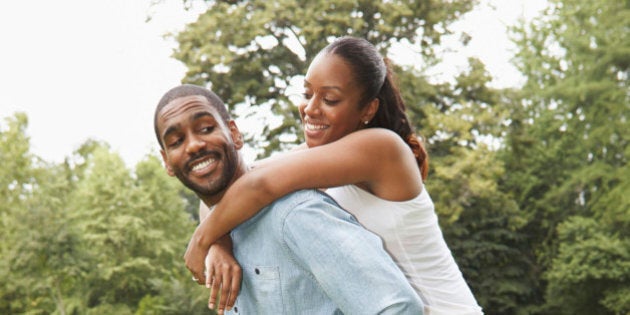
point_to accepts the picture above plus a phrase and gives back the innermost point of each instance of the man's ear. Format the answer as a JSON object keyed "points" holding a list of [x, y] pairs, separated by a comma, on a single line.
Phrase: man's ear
{"points": [[169, 170], [237, 137]]}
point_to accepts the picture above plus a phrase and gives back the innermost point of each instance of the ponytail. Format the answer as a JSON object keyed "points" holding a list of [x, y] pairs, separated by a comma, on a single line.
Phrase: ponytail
{"points": [[375, 75], [391, 115], [420, 153]]}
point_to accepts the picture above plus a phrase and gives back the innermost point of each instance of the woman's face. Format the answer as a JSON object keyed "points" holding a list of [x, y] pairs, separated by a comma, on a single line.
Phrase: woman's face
{"points": [[330, 108]]}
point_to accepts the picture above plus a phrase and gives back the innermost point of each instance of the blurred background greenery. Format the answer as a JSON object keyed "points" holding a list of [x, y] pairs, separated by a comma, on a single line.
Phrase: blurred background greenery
{"points": [[531, 183]]}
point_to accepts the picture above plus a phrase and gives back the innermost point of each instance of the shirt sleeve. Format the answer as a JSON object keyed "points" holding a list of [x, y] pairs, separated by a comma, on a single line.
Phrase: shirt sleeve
{"points": [[347, 261]]}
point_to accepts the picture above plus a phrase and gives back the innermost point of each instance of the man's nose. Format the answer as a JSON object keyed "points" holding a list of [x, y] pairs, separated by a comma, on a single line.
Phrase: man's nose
{"points": [[194, 144]]}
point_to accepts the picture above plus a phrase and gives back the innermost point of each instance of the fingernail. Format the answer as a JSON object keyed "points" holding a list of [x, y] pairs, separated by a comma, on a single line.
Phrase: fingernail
{"points": [[211, 306]]}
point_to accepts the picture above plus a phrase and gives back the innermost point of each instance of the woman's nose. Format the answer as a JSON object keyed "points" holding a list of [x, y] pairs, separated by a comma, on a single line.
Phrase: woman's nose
{"points": [[312, 106]]}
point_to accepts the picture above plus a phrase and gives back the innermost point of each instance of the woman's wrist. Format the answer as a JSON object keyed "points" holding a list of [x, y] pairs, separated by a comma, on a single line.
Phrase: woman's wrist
{"points": [[201, 239]]}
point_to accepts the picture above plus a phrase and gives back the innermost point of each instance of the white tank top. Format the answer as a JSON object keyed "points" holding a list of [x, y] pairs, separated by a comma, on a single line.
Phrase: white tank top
{"points": [[412, 236]]}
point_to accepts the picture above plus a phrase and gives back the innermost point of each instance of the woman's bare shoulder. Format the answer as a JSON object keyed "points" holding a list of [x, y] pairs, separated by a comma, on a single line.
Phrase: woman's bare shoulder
{"points": [[378, 138], [299, 147]]}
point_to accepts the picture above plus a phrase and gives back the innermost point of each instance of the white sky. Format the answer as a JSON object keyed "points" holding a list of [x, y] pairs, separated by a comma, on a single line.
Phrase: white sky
{"points": [[84, 69]]}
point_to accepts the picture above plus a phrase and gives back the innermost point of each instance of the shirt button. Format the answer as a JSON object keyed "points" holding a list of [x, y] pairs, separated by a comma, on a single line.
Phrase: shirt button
{"points": [[235, 309], [257, 271]]}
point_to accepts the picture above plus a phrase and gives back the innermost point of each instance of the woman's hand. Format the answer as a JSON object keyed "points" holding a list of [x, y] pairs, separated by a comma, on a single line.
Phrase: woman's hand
{"points": [[223, 275], [194, 258]]}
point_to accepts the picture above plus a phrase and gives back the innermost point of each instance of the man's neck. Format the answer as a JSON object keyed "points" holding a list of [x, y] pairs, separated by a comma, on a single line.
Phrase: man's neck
{"points": [[210, 201]]}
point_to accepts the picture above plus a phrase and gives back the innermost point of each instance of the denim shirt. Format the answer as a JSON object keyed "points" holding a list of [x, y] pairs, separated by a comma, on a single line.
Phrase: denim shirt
{"points": [[303, 254]]}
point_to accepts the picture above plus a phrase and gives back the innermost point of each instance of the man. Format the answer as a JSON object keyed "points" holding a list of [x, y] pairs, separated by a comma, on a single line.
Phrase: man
{"points": [[293, 262]]}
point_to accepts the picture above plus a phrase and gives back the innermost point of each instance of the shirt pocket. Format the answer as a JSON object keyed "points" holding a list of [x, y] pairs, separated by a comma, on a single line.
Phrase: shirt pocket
{"points": [[264, 286]]}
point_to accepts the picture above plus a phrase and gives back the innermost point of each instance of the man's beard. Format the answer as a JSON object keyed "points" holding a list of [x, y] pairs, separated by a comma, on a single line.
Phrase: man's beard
{"points": [[229, 160]]}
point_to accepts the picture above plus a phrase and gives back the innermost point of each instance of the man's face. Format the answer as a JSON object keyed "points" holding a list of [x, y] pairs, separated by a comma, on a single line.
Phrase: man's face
{"points": [[199, 148]]}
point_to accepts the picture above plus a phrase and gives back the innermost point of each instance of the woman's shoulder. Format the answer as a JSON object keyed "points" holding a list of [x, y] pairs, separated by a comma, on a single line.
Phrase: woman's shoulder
{"points": [[379, 142], [380, 137]]}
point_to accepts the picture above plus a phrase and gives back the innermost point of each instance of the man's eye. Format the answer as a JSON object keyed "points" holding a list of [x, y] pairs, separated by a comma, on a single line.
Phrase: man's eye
{"points": [[175, 142], [207, 129]]}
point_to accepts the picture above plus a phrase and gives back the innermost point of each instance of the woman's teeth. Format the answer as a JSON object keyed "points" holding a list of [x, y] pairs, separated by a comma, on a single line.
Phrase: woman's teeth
{"points": [[315, 127]]}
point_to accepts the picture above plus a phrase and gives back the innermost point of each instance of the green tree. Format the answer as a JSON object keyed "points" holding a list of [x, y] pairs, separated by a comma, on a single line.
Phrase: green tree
{"points": [[134, 228], [480, 220], [16, 174], [16, 177], [89, 236], [569, 154], [171, 227], [249, 51], [48, 258], [41, 249]]}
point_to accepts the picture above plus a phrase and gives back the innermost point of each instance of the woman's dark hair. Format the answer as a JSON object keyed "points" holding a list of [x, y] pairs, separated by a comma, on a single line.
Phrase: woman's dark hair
{"points": [[376, 78]]}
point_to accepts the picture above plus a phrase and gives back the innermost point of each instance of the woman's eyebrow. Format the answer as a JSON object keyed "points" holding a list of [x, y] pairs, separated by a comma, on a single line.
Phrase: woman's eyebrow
{"points": [[325, 87]]}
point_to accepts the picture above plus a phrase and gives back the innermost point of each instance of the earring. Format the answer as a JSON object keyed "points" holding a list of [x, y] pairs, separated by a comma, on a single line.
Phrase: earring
{"points": [[366, 122]]}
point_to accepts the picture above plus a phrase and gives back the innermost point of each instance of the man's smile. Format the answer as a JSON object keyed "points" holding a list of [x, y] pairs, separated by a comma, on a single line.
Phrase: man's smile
{"points": [[201, 166]]}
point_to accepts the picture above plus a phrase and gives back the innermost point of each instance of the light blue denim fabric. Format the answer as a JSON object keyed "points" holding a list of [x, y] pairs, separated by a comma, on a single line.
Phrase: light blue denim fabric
{"points": [[305, 255]]}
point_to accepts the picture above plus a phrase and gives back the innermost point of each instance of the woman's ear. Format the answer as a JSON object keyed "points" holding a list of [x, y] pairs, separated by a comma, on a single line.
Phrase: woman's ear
{"points": [[370, 110]]}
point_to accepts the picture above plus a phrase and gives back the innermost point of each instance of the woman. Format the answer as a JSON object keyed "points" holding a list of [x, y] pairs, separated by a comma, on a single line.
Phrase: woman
{"points": [[362, 148]]}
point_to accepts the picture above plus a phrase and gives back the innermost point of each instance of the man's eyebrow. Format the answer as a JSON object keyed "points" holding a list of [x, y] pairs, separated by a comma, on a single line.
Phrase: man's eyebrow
{"points": [[169, 131], [200, 115], [174, 128]]}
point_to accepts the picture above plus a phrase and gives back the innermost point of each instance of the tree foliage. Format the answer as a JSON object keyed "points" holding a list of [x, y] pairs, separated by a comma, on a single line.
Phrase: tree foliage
{"points": [[530, 184], [480, 220], [88, 236], [513, 171], [249, 51], [569, 153]]}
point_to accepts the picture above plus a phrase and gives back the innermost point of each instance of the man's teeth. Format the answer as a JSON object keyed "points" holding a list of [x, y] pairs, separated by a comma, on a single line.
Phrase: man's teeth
{"points": [[315, 127], [202, 164]]}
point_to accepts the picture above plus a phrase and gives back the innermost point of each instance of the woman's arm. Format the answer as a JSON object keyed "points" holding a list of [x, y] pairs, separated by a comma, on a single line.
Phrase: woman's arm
{"points": [[377, 159], [275, 158], [225, 270], [224, 280]]}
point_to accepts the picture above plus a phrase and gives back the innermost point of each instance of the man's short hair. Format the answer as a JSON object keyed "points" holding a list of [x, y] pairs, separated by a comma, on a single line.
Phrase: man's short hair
{"points": [[189, 90]]}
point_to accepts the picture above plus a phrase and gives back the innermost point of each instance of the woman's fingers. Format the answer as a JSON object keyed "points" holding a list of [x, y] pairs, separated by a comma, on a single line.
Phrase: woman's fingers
{"points": [[208, 275], [215, 285], [194, 258], [224, 286], [235, 287], [224, 275], [224, 294]]}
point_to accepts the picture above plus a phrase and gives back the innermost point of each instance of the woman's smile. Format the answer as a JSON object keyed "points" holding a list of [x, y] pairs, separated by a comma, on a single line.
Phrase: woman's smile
{"points": [[330, 109]]}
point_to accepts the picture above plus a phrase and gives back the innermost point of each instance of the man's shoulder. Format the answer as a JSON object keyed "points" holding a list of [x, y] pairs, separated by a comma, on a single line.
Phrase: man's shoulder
{"points": [[307, 205], [302, 197]]}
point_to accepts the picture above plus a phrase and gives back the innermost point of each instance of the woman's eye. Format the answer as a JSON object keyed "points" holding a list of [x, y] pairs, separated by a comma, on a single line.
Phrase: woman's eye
{"points": [[330, 102], [307, 96]]}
